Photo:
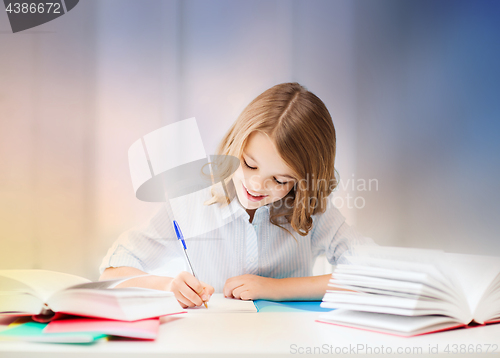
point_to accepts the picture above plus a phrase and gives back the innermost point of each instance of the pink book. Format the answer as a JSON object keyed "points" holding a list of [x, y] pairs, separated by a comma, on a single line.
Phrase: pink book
{"points": [[142, 329]]}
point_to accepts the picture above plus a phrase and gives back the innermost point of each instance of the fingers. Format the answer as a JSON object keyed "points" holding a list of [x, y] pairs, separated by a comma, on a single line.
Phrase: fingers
{"points": [[207, 292], [183, 301], [230, 285], [241, 293], [244, 287], [190, 296], [187, 290], [192, 282], [246, 295]]}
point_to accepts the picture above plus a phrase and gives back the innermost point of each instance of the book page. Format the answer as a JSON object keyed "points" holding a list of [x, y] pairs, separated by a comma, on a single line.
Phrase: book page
{"points": [[219, 304], [101, 285], [341, 280], [43, 282], [474, 274], [406, 259], [398, 275], [10, 285]]}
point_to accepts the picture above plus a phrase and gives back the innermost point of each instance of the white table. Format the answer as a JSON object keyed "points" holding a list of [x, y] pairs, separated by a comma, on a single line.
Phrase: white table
{"points": [[261, 334]]}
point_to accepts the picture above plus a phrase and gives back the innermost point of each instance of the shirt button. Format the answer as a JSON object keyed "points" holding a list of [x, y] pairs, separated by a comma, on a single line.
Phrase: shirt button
{"points": [[252, 259]]}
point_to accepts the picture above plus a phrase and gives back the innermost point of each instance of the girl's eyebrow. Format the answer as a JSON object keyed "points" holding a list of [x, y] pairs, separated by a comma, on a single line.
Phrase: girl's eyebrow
{"points": [[286, 176], [250, 157], [278, 175]]}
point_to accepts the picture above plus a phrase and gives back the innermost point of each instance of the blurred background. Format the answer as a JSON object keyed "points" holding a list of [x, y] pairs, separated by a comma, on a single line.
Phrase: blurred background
{"points": [[412, 86]]}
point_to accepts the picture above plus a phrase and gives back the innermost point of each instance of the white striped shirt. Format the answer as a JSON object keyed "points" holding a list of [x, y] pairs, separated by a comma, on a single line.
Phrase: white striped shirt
{"points": [[235, 248]]}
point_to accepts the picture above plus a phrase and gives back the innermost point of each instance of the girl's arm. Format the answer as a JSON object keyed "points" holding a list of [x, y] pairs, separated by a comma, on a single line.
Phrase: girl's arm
{"points": [[143, 249], [188, 291], [152, 282], [253, 287], [302, 288]]}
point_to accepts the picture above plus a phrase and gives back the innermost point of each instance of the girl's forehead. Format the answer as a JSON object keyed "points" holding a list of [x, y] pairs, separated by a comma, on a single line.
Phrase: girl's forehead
{"points": [[259, 142]]}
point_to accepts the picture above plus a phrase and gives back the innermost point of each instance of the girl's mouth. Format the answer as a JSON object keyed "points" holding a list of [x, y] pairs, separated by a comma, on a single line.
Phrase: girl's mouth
{"points": [[253, 197]]}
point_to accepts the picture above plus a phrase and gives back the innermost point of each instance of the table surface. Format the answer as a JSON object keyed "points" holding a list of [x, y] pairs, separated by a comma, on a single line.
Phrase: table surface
{"points": [[266, 334]]}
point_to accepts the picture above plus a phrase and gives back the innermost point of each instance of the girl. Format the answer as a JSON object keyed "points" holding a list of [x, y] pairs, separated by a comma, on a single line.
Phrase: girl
{"points": [[285, 140]]}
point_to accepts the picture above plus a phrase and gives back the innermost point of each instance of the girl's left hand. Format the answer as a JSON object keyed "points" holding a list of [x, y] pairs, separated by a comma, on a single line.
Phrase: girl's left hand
{"points": [[251, 287]]}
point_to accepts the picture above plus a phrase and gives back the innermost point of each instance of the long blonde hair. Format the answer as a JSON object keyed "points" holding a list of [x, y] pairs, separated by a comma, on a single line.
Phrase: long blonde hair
{"points": [[302, 130]]}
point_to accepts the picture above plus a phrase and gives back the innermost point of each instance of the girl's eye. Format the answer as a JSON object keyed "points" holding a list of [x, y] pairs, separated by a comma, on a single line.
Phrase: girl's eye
{"points": [[277, 181], [252, 168], [248, 166]]}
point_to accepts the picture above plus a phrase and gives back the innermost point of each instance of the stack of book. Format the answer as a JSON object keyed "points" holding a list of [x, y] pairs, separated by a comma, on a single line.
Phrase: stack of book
{"points": [[410, 292], [47, 306]]}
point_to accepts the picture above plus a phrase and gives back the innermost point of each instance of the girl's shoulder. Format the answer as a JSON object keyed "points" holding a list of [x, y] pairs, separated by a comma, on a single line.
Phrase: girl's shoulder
{"points": [[330, 211]]}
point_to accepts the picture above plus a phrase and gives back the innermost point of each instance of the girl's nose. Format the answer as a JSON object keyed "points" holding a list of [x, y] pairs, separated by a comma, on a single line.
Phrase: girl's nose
{"points": [[256, 183]]}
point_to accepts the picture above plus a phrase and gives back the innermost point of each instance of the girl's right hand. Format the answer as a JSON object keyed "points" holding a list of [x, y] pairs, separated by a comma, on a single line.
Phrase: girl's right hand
{"points": [[188, 291]]}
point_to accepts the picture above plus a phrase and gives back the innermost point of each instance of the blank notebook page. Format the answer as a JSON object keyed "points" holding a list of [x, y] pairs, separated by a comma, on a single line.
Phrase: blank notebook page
{"points": [[219, 304]]}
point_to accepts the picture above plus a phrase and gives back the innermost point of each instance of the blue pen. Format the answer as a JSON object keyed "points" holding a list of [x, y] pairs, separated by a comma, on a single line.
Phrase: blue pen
{"points": [[180, 237]]}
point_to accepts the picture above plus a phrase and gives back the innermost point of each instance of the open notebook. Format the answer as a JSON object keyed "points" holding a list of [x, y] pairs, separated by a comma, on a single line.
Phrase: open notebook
{"points": [[219, 304]]}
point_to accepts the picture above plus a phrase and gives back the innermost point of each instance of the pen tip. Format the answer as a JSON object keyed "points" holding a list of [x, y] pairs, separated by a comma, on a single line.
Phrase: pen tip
{"points": [[206, 306]]}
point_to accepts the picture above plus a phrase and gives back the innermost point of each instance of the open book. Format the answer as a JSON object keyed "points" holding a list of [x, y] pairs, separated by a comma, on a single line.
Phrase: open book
{"points": [[410, 292], [41, 292]]}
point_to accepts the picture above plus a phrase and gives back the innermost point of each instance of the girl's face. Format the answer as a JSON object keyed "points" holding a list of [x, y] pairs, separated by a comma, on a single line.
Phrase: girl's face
{"points": [[263, 177]]}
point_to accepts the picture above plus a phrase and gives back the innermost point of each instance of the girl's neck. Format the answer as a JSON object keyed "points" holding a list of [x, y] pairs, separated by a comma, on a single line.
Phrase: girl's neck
{"points": [[251, 212]]}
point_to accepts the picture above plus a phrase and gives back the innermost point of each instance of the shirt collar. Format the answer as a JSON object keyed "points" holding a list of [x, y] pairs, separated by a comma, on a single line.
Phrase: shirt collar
{"points": [[261, 212]]}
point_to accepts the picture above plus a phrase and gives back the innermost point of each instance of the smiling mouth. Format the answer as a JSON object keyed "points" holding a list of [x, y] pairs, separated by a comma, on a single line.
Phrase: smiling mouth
{"points": [[255, 196]]}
